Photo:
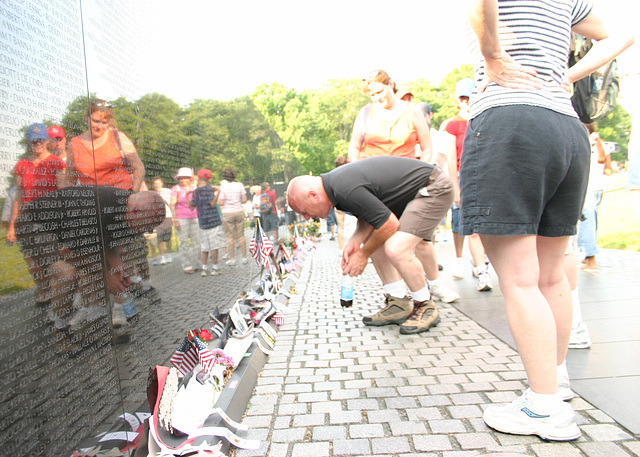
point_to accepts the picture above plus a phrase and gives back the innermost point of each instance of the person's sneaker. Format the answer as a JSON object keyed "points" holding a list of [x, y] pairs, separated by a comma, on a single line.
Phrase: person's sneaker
{"points": [[163, 260], [521, 417], [203, 273], [424, 316], [215, 272], [118, 318], [564, 388], [580, 338], [484, 281], [457, 270], [244, 261], [231, 262], [80, 317], [443, 293], [395, 311]]}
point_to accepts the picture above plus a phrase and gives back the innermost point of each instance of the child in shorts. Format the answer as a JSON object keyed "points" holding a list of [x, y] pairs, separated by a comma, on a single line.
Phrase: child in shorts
{"points": [[205, 199]]}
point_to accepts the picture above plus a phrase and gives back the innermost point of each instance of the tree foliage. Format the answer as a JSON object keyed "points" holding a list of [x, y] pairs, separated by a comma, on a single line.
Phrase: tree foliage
{"points": [[273, 134]]}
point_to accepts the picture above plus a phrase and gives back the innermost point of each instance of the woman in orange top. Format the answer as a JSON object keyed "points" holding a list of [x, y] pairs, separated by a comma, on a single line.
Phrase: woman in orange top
{"points": [[98, 157], [388, 126]]}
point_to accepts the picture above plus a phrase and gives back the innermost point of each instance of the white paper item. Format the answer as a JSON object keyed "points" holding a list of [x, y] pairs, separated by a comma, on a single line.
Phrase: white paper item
{"points": [[192, 406]]}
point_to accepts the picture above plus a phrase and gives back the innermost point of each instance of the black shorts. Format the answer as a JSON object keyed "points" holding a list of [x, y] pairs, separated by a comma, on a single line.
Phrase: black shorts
{"points": [[524, 171]]}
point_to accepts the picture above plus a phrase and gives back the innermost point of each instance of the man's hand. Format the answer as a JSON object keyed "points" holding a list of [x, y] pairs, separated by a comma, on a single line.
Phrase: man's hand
{"points": [[117, 282], [505, 71], [354, 264]]}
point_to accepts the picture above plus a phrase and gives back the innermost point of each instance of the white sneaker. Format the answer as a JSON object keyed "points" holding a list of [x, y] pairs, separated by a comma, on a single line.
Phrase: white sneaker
{"points": [[521, 417], [457, 270], [163, 260], [80, 317], [203, 273], [244, 261], [564, 388], [484, 281], [443, 293], [118, 318], [579, 338], [231, 262]]}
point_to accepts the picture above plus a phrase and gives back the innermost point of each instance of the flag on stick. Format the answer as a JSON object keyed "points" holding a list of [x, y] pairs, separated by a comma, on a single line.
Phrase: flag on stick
{"points": [[185, 358], [260, 246]]}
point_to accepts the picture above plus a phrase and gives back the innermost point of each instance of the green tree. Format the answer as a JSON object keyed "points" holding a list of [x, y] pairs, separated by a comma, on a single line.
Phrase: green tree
{"points": [[616, 128]]}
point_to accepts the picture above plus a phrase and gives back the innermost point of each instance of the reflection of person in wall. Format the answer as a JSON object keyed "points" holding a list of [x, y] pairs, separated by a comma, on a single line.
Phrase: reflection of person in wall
{"points": [[68, 231], [36, 174], [57, 142], [105, 156]]}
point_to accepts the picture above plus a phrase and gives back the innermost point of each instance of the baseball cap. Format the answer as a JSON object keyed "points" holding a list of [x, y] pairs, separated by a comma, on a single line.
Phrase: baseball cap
{"points": [[37, 132], [55, 131], [204, 173], [464, 87], [403, 91]]}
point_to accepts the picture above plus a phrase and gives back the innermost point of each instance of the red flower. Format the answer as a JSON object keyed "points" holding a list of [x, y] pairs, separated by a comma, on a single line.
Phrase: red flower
{"points": [[204, 335]]}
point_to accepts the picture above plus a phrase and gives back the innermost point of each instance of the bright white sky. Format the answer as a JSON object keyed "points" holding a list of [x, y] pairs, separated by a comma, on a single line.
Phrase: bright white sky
{"points": [[225, 49]]}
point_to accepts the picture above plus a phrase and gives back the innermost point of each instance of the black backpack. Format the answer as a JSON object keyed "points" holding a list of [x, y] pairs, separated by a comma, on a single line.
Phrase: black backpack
{"points": [[594, 96]]}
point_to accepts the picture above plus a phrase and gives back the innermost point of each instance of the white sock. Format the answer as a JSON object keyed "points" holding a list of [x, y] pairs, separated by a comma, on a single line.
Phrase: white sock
{"points": [[421, 295], [434, 282], [577, 310], [395, 289], [562, 370], [545, 402]]}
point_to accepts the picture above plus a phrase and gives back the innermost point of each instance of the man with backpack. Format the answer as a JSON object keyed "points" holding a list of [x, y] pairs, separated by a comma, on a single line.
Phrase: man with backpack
{"points": [[269, 212]]}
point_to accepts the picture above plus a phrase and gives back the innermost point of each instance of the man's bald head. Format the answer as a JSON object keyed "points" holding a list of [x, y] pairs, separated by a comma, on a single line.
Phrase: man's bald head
{"points": [[145, 211], [307, 196]]}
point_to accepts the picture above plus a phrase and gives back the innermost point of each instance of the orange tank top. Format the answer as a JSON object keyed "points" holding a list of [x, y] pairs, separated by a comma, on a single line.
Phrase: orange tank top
{"points": [[389, 135], [103, 166]]}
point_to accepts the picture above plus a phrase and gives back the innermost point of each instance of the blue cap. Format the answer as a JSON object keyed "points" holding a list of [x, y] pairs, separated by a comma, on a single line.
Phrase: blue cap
{"points": [[37, 132], [465, 87]]}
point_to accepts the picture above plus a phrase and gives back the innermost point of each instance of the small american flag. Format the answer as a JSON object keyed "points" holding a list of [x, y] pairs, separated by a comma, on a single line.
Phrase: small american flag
{"points": [[205, 356], [185, 358], [278, 318], [260, 247]]}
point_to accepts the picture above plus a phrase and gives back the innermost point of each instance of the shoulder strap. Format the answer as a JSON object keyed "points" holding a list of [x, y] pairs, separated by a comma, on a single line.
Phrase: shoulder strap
{"points": [[124, 159], [367, 109]]}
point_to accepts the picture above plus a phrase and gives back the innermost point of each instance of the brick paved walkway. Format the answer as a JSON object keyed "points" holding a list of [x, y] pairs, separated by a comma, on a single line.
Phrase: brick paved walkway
{"points": [[334, 387]]}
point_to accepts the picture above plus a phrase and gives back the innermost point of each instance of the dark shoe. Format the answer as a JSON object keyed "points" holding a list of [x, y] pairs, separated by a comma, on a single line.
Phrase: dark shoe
{"points": [[395, 311], [424, 316]]}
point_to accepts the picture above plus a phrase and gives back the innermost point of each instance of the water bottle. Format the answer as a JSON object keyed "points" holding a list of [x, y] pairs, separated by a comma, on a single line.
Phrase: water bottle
{"points": [[346, 291]]}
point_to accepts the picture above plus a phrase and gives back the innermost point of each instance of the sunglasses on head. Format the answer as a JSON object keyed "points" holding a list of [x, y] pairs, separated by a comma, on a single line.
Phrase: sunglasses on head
{"points": [[101, 104]]}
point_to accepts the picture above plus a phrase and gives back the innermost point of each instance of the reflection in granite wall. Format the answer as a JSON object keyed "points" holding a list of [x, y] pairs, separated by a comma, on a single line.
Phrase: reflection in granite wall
{"points": [[69, 364]]}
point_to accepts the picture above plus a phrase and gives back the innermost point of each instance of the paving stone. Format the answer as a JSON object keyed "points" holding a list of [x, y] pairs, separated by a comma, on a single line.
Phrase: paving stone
{"points": [[352, 447], [603, 450], [390, 445], [605, 432], [311, 449], [476, 441], [329, 433], [307, 420], [447, 426], [432, 443]]}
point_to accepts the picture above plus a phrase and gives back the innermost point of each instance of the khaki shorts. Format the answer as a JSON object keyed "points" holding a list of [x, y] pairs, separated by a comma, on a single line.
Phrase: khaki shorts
{"points": [[233, 225], [423, 214]]}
